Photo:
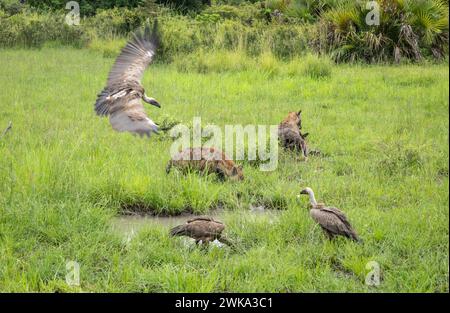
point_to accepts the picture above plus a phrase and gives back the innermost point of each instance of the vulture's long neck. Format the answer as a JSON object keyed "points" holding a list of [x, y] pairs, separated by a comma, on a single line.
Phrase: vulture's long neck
{"points": [[312, 198]]}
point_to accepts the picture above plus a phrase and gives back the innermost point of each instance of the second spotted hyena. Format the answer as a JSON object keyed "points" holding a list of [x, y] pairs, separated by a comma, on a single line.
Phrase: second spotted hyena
{"points": [[206, 160], [290, 135]]}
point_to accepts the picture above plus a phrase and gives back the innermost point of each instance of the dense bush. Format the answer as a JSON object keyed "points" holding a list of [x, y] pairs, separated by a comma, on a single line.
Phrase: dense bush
{"points": [[246, 13], [115, 21], [11, 7], [409, 29], [184, 36], [303, 10], [87, 7], [183, 6], [32, 29]]}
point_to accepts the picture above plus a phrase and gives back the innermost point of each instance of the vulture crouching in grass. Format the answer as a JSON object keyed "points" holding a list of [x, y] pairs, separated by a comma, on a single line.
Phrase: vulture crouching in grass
{"points": [[332, 220], [203, 229], [121, 98]]}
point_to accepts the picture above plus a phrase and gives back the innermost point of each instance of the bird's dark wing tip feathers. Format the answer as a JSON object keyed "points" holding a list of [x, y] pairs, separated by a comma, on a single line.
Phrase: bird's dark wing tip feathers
{"points": [[154, 37], [149, 34], [101, 106]]}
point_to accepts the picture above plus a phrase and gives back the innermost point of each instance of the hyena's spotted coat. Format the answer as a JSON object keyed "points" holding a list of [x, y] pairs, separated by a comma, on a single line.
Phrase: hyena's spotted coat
{"points": [[206, 160], [290, 135]]}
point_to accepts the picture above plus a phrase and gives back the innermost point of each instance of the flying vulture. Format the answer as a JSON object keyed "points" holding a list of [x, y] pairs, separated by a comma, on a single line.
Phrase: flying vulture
{"points": [[332, 220], [121, 98]]}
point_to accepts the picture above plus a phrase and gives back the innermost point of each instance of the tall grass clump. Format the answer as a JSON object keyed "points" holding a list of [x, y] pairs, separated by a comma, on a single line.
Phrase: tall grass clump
{"points": [[268, 64], [213, 62], [311, 65], [109, 48]]}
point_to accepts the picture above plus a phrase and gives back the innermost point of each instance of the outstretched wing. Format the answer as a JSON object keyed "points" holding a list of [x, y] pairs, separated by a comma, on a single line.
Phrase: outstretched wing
{"points": [[121, 98], [135, 56]]}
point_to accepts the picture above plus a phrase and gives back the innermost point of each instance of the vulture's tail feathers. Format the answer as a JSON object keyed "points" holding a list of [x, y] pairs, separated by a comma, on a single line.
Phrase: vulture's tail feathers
{"points": [[352, 235], [101, 105], [358, 239]]}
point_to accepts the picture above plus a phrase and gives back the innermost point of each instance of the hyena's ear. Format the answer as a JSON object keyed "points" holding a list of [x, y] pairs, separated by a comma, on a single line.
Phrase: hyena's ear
{"points": [[299, 112], [240, 167], [234, 171], [305, 135]]}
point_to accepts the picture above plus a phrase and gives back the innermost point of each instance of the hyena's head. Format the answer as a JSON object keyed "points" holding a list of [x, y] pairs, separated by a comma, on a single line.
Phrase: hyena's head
{"points": [[236, 173], [295, 117]]}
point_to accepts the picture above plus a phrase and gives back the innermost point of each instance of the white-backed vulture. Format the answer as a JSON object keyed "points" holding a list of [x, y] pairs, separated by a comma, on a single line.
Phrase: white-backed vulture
{"points": [[332, 220], [203, 229], [121, 98]]}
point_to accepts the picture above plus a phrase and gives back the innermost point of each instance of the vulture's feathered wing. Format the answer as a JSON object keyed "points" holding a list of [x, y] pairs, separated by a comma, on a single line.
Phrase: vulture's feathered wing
{"points": [[334, 222], [202, 228], [199, 228], [121, 98]]}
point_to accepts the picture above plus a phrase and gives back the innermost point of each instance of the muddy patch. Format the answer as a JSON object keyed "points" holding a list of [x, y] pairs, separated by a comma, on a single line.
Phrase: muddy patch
{"points": [[130, 224]]}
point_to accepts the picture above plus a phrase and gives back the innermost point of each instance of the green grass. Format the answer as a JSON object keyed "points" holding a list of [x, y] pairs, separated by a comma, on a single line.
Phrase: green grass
{"points": [[64, 174]]}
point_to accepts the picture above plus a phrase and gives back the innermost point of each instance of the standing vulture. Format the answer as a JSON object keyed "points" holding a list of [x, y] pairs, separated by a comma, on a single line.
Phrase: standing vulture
{"points": [[202, 228], [332, 220], [121, 98]]}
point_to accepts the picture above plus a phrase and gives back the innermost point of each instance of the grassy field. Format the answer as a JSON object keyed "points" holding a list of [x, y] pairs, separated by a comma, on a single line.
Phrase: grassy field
{"points": [[64, 175]]}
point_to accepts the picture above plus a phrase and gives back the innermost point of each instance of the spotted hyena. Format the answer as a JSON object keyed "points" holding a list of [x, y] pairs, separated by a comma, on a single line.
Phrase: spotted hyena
{"points": [[290, 135], [206, 160]]}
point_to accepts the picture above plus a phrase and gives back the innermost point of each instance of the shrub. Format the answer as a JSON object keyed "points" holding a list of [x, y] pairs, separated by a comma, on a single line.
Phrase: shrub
{"points": [[179, 35], [245, 13], [183, 5], [286, 41], [298, 10], [33, 30], [230, 35], [408, 29], [87, 7], [11, 7], [116, 21]]}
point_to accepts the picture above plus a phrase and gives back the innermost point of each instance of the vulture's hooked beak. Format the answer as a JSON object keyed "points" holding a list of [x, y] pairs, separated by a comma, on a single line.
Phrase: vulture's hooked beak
{"points": [[151, 101], [304, 192], [155, 103]]}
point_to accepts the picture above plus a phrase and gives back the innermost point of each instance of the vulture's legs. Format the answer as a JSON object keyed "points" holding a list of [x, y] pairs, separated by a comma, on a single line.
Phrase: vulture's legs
{"points": [[329, 234]]}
